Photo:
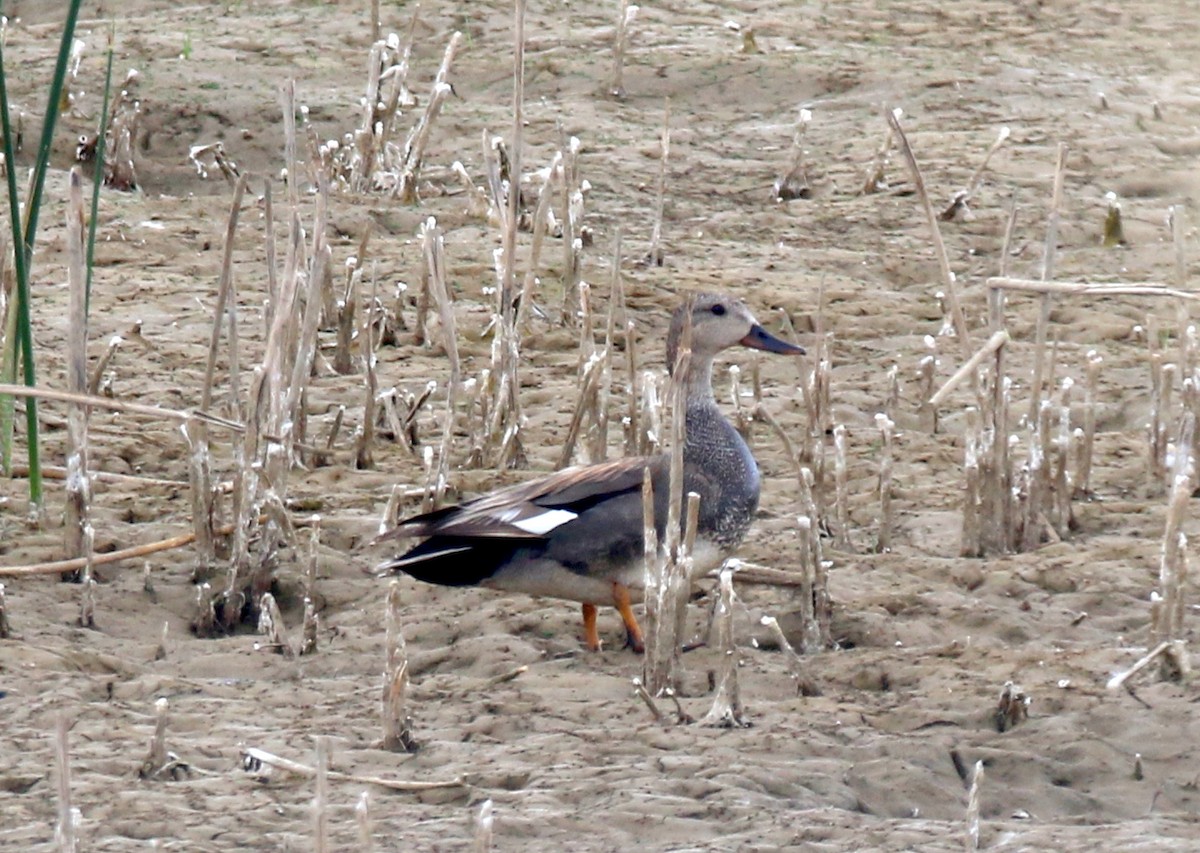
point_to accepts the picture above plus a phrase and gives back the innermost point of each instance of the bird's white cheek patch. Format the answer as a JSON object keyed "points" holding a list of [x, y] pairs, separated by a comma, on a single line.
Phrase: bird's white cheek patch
{"points": [[546, 521]]}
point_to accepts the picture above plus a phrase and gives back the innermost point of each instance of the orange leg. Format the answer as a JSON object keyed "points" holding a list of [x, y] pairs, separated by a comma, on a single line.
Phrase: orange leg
{"points": [[633, 634], [590, 635]]}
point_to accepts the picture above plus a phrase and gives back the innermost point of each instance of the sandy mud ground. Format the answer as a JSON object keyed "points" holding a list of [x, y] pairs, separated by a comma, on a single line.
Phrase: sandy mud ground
{"points": [[570, 759]]}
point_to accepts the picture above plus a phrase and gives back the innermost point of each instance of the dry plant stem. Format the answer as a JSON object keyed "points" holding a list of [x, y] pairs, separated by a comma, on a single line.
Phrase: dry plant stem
{"points": [[883, 543], [726, 709], [541, 213], [64, 829], [483, 828], [433, 244], [841, 489], [642, 693], [75, 564], [414, 148], [1083, 485], [625, 17], [362, 817], [320, 805], [1173, 568], [948, 279], [261, 756], [364, 453], [655, 255], [1063, 487], [794, 661], [270, 625], [998, 339], [5, 627], [973, 807], [670, 584], [78, 484], [397, 726], [225, 303], [970, 544], [1048, 255], [572, 244], [157, 759]]}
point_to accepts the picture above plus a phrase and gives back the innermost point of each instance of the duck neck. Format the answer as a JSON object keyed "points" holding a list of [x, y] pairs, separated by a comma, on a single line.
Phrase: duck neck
{"points": [[696, 380]]}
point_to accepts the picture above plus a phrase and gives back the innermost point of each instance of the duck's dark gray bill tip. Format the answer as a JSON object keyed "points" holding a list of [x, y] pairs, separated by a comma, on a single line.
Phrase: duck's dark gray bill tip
{"points": [[760, 338]]}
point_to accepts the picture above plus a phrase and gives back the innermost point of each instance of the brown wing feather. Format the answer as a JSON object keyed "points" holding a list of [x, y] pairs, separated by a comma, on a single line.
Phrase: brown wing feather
{"points": [[496, 514]]}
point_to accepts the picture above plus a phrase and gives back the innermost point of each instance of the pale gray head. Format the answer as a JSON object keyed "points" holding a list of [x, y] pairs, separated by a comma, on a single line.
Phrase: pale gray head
{"points": [[719, 321]]}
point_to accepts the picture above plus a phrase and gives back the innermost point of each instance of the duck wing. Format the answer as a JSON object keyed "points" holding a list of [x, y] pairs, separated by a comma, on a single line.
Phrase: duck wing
{"points": [[533, 509]]}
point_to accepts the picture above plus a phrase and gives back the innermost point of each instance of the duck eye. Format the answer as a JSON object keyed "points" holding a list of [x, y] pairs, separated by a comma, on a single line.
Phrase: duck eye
{"points": [[718, 309]]}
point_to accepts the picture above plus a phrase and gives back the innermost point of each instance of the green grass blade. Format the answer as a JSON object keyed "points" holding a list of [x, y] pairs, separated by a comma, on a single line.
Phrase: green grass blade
{"points": [[23, 240]]}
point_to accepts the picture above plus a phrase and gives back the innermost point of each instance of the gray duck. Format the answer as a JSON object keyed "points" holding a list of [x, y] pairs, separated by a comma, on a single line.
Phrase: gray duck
{"points": [[577, 534]]}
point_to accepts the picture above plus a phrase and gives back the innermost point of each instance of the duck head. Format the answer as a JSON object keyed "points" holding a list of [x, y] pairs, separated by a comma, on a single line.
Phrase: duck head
{"points": [[719, 321]]}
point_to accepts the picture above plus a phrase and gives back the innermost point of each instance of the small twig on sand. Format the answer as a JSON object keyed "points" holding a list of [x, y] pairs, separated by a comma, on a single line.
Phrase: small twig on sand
{"points": [[254, 758], [59, 566]]}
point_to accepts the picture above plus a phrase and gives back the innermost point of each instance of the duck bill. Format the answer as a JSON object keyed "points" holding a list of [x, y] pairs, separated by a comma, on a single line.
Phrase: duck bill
{"points": [[760, 338]]}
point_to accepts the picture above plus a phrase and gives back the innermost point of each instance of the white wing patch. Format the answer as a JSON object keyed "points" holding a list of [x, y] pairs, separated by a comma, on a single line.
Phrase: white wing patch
{"points": [[546, 521]]}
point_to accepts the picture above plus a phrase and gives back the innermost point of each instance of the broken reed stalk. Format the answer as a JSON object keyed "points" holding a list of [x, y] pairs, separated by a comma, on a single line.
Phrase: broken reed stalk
{"points": [[270, 625], [998, 339], [973, 807], [5, 627], [364, 453], [669, 562], [948, 279], [841, 489], [1167, 623], [572, 242], [726, 711], [626, 14], [362, 818], [397, 725], [970, 544], [804, 684], [77, 523], [1046, 303], [1083, 477], [541, 219], [813, 593], [484, 821], [434, 248], [958, 204], [312, 623], [883, 543], [68, 816], [654, 257], [418, 139], [320, 804]]}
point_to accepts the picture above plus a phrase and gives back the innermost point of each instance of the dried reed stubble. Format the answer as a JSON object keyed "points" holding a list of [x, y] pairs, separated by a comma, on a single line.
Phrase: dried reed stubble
{"points": [[883, 542], [433, 245], [397, 725], [973, 799], [270, 625], [69, 817], [669, 563], [320, 804], [654, 257], [78, 485], [958, 205], [948, 279], [5, 626], [971, 544], [1046, 302], [841, 480], [362, 819], [484, 824], [727, 710], [626, 15]]}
